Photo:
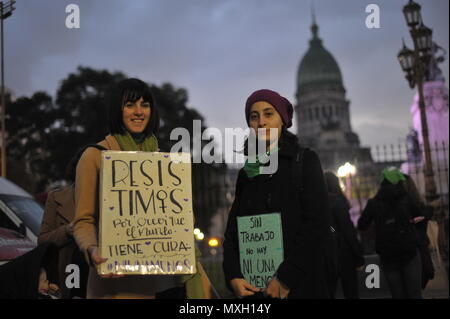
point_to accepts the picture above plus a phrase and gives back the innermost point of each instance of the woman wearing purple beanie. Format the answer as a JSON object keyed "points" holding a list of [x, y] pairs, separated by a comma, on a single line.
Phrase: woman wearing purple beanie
{"points": [[295, 194]]}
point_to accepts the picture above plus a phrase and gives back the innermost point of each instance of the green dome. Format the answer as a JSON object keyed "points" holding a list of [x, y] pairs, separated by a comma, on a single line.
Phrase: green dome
{"points": [[318, 65]]}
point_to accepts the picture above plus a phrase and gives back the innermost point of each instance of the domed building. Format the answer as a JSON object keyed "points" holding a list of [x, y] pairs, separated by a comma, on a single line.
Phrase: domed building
{"points": [[322, 109]]}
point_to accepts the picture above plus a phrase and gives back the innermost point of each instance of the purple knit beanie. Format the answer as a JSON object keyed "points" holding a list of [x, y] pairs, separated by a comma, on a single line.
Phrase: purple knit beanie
{"points": [[280, 103]]}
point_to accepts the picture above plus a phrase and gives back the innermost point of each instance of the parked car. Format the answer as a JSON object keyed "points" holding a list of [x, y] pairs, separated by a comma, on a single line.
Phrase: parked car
{"points": [[13, 244], [20, 220]]}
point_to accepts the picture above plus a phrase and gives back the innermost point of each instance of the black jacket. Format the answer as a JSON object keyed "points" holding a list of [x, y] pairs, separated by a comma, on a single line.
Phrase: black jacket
{"points": [[346, 232], [391, 199], [305, 220], [19, 279], [421, 227]]}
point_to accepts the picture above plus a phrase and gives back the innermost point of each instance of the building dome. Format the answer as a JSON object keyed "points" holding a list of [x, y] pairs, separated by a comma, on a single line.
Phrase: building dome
{"points": [[318, 66]]}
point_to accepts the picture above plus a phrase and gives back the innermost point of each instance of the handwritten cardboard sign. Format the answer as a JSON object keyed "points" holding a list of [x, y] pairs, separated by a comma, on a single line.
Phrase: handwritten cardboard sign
{"points": [[146, 216], [260, 247]]}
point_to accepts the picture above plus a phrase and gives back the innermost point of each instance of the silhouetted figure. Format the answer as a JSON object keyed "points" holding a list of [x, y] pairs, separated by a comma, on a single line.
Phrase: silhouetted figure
{"points": [[421, 228], [350, 252], [394, 214]]}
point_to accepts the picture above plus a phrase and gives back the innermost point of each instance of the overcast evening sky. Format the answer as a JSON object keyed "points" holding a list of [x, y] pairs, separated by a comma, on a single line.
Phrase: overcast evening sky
{"points": [[222, 50]]}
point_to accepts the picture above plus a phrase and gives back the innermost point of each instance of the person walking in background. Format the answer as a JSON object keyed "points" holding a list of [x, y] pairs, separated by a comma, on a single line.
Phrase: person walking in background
{"points": [[349, 249], [57, 228], [421, 228], [396, 242], [296, 191]]}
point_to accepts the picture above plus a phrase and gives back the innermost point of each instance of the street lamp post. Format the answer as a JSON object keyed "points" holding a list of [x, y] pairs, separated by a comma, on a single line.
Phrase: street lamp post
{"points": [[346, 171], [5, 12], [414, 64]]}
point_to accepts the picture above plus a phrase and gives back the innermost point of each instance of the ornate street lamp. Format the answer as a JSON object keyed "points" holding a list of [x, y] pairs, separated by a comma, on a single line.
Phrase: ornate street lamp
{"points": [[406, 59], [415, 64], [412, 14], [5, 12], [423, 36]]}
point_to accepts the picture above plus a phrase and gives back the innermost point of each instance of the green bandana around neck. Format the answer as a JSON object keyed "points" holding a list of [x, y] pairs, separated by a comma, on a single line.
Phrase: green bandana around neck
{"points": [[253, 168], [128, 143]]}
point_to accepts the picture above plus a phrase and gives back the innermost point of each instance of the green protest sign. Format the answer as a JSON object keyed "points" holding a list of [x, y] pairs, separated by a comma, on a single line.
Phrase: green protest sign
{"points": [[260, 247]]}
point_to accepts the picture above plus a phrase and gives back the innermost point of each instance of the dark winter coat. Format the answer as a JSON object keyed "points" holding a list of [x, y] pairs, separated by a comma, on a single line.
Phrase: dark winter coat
{"points": [[424, 243], [391, 199], [59, 212], [305, 221], [19, 279], [348, 243], [421, 227]]}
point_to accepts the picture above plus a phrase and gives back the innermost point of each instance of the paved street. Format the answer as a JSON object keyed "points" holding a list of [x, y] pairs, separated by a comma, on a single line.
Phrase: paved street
{"points": [[435, 289]]}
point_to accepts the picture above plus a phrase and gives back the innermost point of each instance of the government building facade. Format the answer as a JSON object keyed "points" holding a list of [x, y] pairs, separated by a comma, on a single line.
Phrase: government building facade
{"points": [[323, 111]]}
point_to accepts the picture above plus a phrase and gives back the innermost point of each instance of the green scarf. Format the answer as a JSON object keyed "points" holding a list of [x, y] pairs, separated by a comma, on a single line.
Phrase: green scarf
{"points": [[253, 167], [128, 143]]}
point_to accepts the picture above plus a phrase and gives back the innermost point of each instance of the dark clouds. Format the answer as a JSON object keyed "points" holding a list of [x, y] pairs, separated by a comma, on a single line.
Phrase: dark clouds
{"points": [[222, 50]]}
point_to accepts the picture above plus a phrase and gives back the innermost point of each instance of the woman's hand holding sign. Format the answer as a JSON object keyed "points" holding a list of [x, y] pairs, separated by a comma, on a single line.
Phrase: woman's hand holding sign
{"points": [[276, 289], [242, 288], [97, 260]]}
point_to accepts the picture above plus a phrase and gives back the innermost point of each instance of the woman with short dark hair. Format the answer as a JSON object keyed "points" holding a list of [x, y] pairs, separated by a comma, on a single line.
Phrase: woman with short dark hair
{"points": [[130, 91], [133, 127]]}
